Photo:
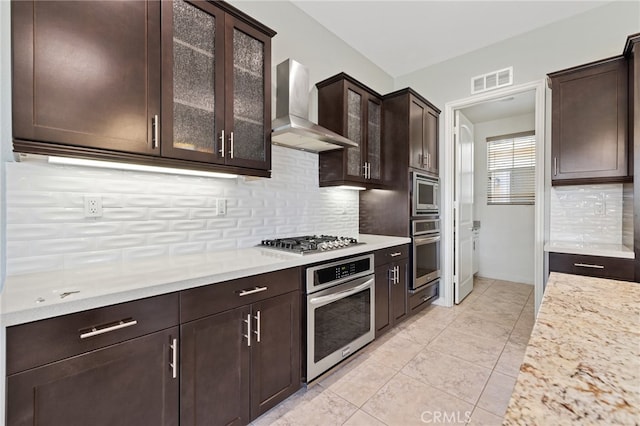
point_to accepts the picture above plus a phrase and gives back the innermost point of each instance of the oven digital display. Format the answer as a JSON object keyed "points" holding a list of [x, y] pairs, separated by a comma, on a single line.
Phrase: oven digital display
{"points": [[341, 271]]}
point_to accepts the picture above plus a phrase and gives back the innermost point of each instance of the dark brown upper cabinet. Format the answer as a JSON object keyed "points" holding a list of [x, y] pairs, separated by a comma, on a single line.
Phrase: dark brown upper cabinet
{"points": [[216, 87], [632, 53], [589, 123], [416, 125], [354, 111], [423, 134], [86, 74], [178, 84]]}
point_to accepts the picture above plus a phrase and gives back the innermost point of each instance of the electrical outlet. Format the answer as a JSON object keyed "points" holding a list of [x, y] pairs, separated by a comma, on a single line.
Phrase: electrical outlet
{"points": [[222, 206], [92, 206]]}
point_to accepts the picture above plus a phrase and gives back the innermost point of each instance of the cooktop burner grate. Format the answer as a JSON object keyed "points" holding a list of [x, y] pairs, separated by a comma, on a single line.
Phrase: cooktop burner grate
{"points": [[310, 243]]}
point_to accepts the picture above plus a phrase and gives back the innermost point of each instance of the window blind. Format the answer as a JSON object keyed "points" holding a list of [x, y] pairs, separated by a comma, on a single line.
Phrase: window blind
{"points": [[511, 163]]}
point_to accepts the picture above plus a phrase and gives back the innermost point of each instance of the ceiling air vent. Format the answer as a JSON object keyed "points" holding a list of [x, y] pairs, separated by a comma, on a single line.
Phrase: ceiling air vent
{"points": [[492, 80]]}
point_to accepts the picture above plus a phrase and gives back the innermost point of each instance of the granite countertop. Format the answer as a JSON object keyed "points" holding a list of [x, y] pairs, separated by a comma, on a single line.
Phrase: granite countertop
{"points": [[32, 297], [582, 364], [591, 249]]}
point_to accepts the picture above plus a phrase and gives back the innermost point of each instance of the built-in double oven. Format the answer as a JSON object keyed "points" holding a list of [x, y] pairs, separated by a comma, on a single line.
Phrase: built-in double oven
{"points": [[340, 315], [425, 234]]}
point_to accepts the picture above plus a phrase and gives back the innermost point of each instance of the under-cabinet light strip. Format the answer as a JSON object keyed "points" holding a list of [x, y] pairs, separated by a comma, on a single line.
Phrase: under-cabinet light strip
{"points": [[136, 167], [357, 188]]}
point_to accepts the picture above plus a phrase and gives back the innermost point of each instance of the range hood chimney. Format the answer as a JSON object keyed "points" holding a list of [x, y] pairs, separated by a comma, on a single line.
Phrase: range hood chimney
{"points": [[292, 127]]}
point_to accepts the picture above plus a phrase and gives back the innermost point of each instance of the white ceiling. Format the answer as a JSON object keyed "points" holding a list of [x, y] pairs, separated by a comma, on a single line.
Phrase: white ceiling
{"points": [[404, 36]]}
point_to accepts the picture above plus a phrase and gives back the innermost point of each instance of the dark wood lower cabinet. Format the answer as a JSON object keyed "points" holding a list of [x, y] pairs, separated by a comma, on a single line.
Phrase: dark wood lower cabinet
{"points": [[129, 383], [214, 364], [238, 364], [391, 294], [592, 266]]}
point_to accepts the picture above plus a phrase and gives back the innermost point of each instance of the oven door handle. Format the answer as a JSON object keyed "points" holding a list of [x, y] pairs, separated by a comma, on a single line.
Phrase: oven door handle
{"points": [[340, 295], [420, 241]]}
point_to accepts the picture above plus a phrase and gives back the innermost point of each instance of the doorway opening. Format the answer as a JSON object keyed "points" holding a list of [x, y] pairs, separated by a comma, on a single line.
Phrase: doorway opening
{"points": [[512, 233]]}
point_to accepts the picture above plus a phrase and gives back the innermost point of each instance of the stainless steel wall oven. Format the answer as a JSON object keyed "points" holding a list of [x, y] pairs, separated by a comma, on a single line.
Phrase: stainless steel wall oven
{"points": [[340, 311], [426, 250]]}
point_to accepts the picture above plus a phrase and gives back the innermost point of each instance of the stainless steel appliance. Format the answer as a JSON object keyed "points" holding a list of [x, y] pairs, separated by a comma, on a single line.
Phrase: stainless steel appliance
{"points": [[340, 311], [308, 244], [426, 250], [425, 195], [292, 127]]}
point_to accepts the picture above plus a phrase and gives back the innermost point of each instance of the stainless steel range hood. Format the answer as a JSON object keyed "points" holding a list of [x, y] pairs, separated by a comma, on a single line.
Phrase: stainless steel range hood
{"points": [[292, 127]]}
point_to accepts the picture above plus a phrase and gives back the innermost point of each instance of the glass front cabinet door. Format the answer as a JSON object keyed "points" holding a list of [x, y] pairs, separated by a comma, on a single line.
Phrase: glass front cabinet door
{"points": [[216, 78]]}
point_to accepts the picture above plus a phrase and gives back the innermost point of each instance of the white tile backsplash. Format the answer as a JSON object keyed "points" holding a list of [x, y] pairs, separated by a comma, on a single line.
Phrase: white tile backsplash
{"points": [[590, 213], [147, 215]]}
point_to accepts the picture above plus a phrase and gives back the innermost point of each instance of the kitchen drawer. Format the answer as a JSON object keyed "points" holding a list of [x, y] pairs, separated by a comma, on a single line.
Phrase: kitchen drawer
{"points": [[423, 296], [592, 266], [212, 299], [41, 342], [391, 254]]}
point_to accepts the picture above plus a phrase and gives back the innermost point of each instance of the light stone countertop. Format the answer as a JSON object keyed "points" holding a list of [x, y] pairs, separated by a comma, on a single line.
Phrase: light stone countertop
{"points": [[110, 284], [590, 249], [582, 364]]}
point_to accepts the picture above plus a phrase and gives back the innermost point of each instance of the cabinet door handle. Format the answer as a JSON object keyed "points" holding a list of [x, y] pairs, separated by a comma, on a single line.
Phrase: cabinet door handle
{"points": [[221, 150], [248, 335], [174, 358], [555, 166], [155, 123], [396, 254], [231, 145], [420, 158], [97, 331], [251, 291], [257, 330], [588, 265]]}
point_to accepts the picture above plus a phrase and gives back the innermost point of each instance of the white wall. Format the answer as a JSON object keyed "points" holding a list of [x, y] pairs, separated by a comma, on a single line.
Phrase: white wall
{"points": [[506, 232], [593, 35], [303, 39]]}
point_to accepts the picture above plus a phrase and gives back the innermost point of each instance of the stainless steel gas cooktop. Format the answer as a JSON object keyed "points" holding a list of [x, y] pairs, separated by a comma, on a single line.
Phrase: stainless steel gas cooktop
{"points": [[310, 243]]}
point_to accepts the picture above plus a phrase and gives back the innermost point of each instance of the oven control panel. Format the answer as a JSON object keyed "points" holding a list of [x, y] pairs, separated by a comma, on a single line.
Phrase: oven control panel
{"points": [[336, 272]]}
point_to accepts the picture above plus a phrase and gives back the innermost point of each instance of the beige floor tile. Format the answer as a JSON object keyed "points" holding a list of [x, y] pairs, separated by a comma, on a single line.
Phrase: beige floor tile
{"points": [[480, 284], [498, 310], [459, 378], [360, 418], [421, 331], [405, 401], [316, 407], [482, 417], [513, 287], [438, 315], [362, 382], [343, 369], [511, 358], [483, 351], [475, 323], [496, 395], [502, 294], [396, 352]]}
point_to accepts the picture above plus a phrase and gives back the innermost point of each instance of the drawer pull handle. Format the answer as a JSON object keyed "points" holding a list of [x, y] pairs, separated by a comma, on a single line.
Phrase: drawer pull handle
{"points": [[395, 254], [174, 358], [252, 291], [587, 265], [97, 331]]}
